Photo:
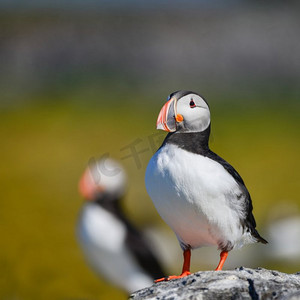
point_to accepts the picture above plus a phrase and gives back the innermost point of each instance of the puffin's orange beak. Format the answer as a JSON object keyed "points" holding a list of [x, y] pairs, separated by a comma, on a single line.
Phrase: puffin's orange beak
{"points": [[168, 117], [87, 186]]}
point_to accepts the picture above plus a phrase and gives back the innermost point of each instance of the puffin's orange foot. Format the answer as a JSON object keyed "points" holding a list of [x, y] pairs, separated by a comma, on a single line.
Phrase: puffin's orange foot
{"points": [[184, 274]]}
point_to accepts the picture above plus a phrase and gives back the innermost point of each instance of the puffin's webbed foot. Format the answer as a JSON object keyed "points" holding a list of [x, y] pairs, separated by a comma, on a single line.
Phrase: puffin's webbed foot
{"points": [[185, 268], [184, 274]]}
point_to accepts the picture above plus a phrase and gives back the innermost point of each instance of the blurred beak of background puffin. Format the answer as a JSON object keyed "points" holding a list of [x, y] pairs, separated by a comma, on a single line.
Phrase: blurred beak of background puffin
{"points": [[88, 187], [168, 116]]}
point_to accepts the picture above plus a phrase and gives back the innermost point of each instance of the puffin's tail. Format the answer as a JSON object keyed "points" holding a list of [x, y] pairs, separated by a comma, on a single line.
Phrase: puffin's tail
{"points": [[258, 237]]}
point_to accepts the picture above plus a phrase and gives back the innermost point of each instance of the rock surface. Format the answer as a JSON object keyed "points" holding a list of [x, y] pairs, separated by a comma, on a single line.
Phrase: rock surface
{"points": [[241, 283]]}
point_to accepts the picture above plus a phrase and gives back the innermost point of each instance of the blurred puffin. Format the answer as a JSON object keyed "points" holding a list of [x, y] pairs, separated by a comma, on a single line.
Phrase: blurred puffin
{"points": [[114, 248], [196, 192]]}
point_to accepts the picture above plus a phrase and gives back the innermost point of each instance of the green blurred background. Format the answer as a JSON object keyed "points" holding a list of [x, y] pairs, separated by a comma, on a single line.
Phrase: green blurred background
{"points": [[85, 79]]}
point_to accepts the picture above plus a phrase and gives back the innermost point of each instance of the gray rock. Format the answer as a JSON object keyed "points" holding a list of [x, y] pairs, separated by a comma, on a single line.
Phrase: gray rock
{"points": [[241, 283]]}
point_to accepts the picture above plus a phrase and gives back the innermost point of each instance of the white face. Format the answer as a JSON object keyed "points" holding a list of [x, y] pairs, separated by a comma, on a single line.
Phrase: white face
{"points": [[195, 113]]}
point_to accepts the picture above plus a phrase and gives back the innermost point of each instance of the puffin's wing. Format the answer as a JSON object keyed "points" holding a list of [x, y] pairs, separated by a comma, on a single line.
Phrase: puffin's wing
{"points": [[142, 251], [248, 221]]}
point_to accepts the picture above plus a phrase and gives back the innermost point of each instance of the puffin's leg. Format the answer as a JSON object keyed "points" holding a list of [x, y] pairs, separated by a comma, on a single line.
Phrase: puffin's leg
{"points": [[223, 257], [186, 263], [185, 267]]}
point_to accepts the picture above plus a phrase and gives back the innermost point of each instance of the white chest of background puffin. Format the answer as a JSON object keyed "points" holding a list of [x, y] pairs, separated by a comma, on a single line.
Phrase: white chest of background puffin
{"points": [[112, 245], [196, 192]]}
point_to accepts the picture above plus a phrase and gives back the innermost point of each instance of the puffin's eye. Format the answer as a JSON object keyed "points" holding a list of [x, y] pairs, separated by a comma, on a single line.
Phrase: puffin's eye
{"points": [[192, 103]]}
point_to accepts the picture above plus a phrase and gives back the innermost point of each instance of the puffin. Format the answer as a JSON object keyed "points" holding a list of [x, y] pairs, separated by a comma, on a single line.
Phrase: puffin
{"points": [[196, 192], [113, 247]]}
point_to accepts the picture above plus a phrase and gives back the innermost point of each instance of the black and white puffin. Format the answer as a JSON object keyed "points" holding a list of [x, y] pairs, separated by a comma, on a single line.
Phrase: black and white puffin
{"points": [[196, 192], [113, 247]]}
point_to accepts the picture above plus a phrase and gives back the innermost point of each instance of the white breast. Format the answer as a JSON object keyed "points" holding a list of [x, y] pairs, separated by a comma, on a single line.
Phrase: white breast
{"points": [[195, 196], [102, 238]]}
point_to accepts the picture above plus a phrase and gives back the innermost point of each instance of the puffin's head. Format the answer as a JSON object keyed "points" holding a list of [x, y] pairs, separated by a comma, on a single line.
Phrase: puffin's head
{"points": [[185, 111], [103, 178]]}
